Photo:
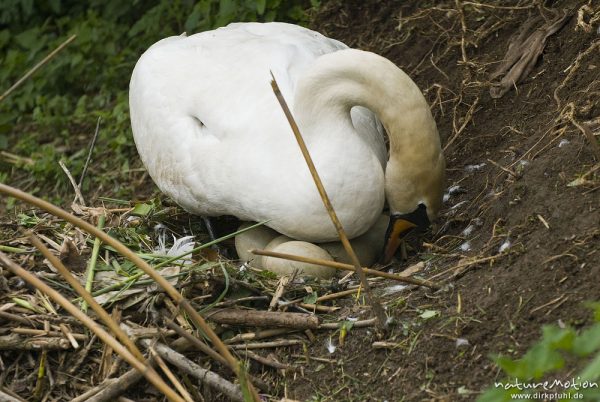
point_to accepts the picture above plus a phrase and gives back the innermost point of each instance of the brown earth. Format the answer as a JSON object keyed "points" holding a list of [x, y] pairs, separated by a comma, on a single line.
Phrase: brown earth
{"points": [[513, 168], [521, 195]]}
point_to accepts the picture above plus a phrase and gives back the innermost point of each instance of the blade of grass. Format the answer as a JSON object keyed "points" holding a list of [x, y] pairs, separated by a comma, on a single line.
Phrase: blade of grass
{"points": [[223, 293], [91, 271], [9, 249]]}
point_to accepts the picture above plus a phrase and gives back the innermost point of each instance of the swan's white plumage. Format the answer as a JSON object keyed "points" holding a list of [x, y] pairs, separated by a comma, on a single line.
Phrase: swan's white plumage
{"points": [[213, 137]]}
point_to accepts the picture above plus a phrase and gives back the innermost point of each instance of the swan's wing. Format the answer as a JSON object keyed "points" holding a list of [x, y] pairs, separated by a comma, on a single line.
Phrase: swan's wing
{"points": [[370, 128], [209, 92], [214, 75]]}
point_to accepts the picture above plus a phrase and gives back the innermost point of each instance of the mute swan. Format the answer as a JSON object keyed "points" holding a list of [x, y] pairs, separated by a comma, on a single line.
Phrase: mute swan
{"points": [[213, 137]]}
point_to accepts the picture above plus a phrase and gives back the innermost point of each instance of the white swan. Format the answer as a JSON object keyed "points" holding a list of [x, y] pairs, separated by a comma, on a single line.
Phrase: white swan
{"points": [[213, 137]]}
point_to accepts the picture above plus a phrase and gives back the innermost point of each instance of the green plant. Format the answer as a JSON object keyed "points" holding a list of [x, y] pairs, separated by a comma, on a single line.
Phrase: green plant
{"points": [[52, 115], [557, 348]]}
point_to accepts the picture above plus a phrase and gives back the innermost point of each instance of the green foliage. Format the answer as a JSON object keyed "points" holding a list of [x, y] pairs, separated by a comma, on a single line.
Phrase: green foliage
{"points": [[558, 346], [51, 116]]}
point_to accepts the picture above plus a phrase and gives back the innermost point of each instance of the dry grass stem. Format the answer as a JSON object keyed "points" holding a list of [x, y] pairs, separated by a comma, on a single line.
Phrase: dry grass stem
{"points": [[5, 397], [111, 388], [141, 264], [163, 366], [266, 361], [355, 324], [595, 147], [78, 195], [573, 68], [85, 295], [266, 345], [208, 377], [375, 304], [148, 372], [36, 67], [347, 267], [499, 166]]}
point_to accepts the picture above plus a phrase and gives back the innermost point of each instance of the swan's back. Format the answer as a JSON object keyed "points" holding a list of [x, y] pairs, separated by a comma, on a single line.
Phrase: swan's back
{"points": [[202, 72], [206, 122]]}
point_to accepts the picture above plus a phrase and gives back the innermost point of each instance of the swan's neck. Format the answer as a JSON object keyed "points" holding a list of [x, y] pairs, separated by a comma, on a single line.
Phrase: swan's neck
{"points": [[338, 81]]}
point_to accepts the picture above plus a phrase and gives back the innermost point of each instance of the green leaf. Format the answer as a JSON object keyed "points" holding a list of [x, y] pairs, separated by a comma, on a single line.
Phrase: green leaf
{"points": [[4, 37], [496, 394], [558, 338], [427, 314], [508, 365], [28, 39], [590, 394], [3, 141], [54, 5], [226, 14], [588, 341], [538, 360], [260, 6], [27, 7], [310, 298], [595, 306], [592, 371], [347, 325], [141, 209]]}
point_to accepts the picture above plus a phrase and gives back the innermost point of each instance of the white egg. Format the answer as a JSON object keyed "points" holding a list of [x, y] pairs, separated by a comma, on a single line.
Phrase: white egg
{"points": [[301, 248], [255, 238], [271, 246]]}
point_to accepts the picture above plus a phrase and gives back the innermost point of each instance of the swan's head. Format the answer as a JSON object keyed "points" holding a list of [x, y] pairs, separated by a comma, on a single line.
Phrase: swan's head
{"points": [[414, 193]]}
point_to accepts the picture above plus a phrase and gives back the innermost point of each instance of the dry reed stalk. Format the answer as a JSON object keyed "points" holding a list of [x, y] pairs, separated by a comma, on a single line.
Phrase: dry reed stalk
{"points": [[148, 371], [85, 295], [374, 302], [347, 267], [143, 265]]}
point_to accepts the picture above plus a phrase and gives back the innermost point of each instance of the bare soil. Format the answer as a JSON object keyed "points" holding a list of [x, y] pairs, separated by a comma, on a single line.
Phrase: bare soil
{"points": [[520, 196]]}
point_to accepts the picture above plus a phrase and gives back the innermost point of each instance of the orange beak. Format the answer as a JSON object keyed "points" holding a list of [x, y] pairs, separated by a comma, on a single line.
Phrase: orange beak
{"points": [[400, 225], [397, 230]]}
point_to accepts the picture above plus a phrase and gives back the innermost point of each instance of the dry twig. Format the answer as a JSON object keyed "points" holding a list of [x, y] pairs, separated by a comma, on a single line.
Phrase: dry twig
{"points": [[523, 52], [208, 377], [256, 318], [111, 388]]}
